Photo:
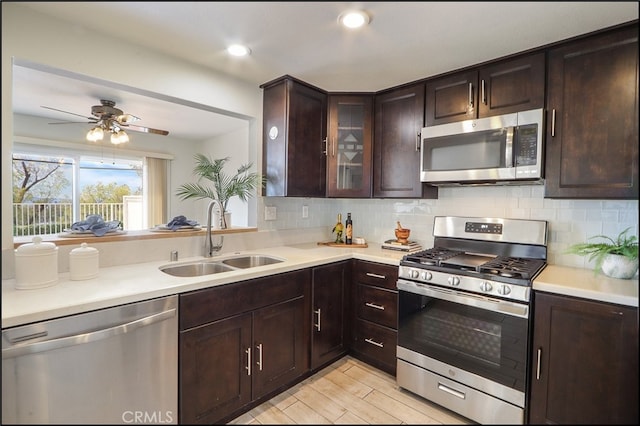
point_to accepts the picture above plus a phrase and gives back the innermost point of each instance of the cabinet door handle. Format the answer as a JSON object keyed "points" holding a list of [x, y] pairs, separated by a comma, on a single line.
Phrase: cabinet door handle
{"points": [[248, 367], [324, 141], [470, 97], [553, 122], [484, 94], [538, 362], [259, 356], [374, 306], [380, 345], [371, 274], [418, 142], [317, 325]]}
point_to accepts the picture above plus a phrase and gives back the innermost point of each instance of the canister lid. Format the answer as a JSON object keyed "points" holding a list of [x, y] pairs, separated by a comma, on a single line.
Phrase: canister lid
{"points": [[36, 247], [83, 251]]}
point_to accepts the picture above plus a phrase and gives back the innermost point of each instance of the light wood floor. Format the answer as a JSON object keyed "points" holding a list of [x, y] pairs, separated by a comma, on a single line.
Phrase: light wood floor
{"points": [[349, 392]]}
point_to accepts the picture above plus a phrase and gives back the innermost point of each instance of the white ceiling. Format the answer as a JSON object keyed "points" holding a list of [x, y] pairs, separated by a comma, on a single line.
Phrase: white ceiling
{"points": [[405, 41]]}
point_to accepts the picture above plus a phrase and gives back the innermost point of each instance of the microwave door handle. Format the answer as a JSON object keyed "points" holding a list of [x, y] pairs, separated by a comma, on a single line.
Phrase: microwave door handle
{"points": [[508, 148]]}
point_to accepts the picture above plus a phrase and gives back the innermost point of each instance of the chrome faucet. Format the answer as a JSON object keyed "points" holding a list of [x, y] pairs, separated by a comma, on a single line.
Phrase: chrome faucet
{"points": [[209, 248]]}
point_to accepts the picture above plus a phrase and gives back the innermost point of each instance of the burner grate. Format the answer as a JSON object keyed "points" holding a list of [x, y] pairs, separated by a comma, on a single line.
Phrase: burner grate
{"points": [[512, 267]]}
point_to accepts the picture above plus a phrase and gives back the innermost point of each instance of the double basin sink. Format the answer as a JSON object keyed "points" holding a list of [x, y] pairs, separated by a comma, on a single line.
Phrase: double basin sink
{"points": [[216, 266]]}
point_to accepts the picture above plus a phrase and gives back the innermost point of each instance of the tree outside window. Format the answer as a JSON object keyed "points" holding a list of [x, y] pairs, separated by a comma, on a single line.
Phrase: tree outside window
{"points": [[43, 191]]}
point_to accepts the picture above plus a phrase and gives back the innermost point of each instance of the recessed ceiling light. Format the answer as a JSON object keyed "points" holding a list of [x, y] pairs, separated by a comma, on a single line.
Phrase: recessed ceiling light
{"points": [[354, 19], [238, 50]]}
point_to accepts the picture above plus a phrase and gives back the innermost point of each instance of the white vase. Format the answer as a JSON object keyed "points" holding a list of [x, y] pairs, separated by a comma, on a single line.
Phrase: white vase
{"points": [[618, 266]]}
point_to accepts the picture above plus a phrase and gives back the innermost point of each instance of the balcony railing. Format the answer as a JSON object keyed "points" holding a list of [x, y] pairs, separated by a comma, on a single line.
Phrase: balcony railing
{"points": [[52, 218]]}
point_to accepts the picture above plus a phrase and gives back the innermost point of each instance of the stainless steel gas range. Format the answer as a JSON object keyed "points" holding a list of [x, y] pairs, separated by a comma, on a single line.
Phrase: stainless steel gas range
{"points": [[463, 315]]}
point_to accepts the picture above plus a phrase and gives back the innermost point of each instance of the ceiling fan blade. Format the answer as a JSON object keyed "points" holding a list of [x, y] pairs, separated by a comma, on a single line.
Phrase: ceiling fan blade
{"points": [[145, 129], [127, 118], [67, 112], [75, 122]]}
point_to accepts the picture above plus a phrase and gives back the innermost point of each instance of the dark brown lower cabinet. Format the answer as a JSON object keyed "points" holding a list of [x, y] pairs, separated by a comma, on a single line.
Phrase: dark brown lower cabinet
{"points": [[241, 341], [584, 362], [330, 321], [375, 314]]}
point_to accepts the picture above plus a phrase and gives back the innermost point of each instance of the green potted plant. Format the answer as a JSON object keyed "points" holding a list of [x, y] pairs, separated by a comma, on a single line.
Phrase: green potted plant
{"points": [[616, 258], [242, 184]]}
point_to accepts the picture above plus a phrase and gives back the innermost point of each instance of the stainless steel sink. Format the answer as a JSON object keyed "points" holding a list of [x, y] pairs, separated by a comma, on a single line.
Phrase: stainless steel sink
{"points": [[196, 269], [208, 267], [251, 261]]}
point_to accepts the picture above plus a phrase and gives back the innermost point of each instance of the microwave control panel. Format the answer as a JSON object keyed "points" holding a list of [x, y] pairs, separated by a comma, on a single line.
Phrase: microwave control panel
{"points": [[527, 146]]}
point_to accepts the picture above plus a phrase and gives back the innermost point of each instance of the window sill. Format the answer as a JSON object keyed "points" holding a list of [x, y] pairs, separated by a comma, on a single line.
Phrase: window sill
{"points": [[129, 236]]}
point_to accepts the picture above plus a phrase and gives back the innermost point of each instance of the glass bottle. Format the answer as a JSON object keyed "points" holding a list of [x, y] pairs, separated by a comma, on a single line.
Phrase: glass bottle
{"points": [[338, 229], [349, 230]]}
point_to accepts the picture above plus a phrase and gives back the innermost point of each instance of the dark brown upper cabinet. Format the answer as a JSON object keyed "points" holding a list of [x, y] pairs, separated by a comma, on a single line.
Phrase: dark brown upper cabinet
{"points": [[507, 86], [399, 118], [592, 117], [349, 145], [294, 138]]}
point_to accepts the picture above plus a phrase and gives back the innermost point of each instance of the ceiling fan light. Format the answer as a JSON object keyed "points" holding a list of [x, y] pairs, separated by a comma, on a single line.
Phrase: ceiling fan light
{"points": [[119, 137], [95, 134], [354, 19]]}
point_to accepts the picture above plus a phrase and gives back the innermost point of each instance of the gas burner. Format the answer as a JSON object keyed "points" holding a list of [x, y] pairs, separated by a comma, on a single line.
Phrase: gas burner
{"points": [[512, 267], [432, 256]]}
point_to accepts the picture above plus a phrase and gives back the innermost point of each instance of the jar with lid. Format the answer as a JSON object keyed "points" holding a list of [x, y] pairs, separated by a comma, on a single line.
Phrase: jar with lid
{"points": [[83, 263], [36, 264]]}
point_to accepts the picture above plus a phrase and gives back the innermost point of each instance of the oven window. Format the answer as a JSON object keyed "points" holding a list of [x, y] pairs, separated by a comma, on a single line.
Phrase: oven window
{"points": [[487, 343]]}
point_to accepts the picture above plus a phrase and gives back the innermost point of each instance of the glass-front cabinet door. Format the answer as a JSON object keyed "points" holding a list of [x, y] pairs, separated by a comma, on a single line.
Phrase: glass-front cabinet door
{"points": [[349, 146]]}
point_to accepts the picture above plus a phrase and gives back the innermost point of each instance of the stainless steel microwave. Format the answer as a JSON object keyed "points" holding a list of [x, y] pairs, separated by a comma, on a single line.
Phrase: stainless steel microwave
{"points": [[505, 149]]}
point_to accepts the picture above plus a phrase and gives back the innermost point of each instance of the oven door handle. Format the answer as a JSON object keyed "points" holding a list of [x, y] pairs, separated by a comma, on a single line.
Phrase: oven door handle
{"points": [[470, 299]]}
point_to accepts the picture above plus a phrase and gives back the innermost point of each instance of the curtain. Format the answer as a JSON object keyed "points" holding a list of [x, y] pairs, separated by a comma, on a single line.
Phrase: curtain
{"points": [[156, 195]]}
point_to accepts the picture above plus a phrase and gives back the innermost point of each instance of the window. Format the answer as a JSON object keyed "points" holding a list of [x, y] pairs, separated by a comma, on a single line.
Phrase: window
{"points": [[52, 191]]}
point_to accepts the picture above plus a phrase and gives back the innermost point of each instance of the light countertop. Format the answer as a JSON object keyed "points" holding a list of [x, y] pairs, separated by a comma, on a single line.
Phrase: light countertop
{"points": [[119, 285], [587, 284]]}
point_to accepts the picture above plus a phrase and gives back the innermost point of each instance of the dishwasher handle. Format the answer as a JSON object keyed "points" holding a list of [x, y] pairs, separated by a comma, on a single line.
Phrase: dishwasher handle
{"points": [[78, 339]]}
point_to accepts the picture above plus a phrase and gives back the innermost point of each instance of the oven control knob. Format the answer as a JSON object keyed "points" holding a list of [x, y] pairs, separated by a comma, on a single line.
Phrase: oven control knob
{"points": [[413, 273], [485, 286], [454, 281], [426, 275], [504, 289]]}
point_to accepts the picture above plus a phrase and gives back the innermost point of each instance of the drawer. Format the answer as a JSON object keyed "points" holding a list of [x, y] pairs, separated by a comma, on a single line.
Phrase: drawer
{"points": [[376, 343], [211, 304], [377, 274], [377, 305]]}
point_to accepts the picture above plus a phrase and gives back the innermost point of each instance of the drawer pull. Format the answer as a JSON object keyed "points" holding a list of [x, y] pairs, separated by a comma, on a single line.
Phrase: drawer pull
{"points": [[374, 306], [451, 391], [380, 345], [371, 274]]}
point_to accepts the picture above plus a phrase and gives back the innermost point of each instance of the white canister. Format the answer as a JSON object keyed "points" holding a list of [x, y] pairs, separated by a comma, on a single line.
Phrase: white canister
{"points": [[83, 263], [36, 264]]}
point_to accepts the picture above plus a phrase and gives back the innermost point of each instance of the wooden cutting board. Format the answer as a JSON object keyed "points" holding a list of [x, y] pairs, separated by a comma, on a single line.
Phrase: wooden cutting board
{"points": [[343, 245]]}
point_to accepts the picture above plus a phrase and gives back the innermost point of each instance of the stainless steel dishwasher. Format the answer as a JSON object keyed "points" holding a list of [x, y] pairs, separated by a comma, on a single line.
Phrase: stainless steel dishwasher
{"points": [[115, 365]]}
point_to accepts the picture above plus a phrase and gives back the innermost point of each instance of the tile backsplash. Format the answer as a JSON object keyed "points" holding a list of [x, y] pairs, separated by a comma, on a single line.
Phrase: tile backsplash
{"points": [[570, 221]]}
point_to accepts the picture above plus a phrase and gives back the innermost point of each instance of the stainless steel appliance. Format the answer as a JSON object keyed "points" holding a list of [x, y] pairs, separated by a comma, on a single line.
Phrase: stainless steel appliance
{"points": [[463, 315], [116, 365], [495, 150]]}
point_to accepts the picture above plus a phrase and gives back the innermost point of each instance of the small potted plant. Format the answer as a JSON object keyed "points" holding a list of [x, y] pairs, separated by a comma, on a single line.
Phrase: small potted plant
{"points": [[242, 184], [616, 258]]}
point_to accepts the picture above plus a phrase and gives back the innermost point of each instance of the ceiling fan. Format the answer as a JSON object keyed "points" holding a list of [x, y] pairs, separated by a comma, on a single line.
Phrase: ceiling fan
{"points": [[107, 118]]}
